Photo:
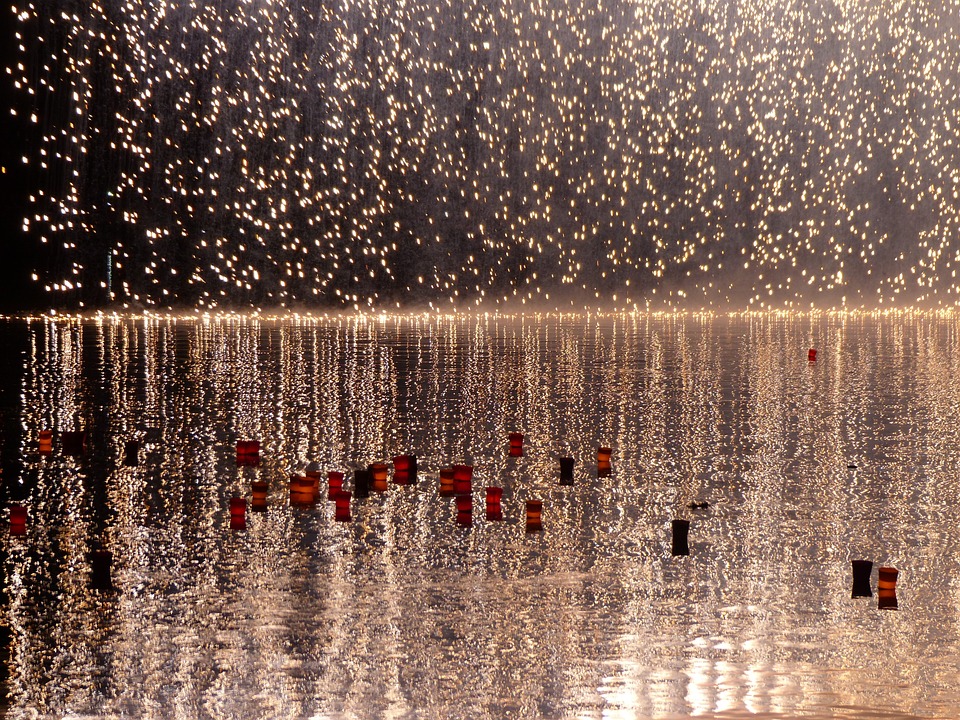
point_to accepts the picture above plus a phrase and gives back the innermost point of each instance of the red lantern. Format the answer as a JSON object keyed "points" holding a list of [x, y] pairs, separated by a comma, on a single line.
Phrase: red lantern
{"points": [[334, 484], [258, 501], [462, 479], [45, 442], [18, 520], [464, 510], [534, 515], [494, 509], [238, 513], [811, 355], [446, 482], [405, 469], [342, 500], [248, 453], [516, 444]]}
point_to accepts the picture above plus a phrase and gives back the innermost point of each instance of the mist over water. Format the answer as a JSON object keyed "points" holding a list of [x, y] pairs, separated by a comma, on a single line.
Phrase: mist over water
{"points": [[563, 153]]}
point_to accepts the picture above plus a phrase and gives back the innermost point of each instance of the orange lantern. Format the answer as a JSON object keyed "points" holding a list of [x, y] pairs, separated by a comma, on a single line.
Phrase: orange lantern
{"points": [[494, 509], [74, 443], [446, 482], [379, 472], [342, 500], [258, 501], [464, 510], [334, 484], [462, 479], [302, 491], [603, 461], [516, 444], [238, 513], [18, 520], [534, 515], [887, 588], [314, 476], [248, 453], [45, 442]]}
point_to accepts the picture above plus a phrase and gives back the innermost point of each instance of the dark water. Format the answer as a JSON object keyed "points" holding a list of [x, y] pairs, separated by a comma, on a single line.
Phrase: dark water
{"points": [[403, 613]]}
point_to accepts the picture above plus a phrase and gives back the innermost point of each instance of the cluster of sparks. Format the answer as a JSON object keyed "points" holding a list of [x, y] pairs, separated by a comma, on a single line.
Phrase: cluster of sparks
{"points": [[375, 153]]}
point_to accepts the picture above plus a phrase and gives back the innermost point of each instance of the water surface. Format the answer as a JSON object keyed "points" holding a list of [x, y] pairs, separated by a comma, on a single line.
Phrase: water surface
{"points": [[402, 613]]}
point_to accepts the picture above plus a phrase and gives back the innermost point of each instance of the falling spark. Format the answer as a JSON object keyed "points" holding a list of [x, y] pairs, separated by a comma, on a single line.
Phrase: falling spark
{"points": [[372, 154]]}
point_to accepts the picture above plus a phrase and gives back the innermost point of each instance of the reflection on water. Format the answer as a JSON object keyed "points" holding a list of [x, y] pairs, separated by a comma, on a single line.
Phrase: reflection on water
{"points": [[403, 613]]}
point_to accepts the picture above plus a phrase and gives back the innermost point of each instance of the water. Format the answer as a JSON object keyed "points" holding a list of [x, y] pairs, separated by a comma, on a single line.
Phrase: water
{"points": [[403, 613], [538, 153]]}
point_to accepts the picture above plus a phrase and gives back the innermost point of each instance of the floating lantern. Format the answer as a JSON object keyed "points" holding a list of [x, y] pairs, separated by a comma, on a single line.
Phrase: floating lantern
{"points": [[446, 482], [45, 442], [238, 513], [100, 562], [18, 520], [258, 501], [534, 515], [302, 492], [566, 471], [887, 588], [405, 469], [314, 476], [462, 479], [681, 531], [378, 475], [464, 509], [811, 355], [334, 484], [861, 578], [131, 453], [74, 443], [603, 461], [494, 509], [361, 484], [248, 453], [516, 444], [342, 500]]}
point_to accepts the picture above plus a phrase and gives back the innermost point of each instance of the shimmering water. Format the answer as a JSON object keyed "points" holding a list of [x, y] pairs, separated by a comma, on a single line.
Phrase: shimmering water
{"points": [[402, 613]]}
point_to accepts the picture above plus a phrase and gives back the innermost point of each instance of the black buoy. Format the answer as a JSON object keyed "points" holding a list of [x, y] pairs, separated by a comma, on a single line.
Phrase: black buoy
{"points": [[100, 579], [361, 484], [861, 578], [566, 471], [681, 530]]}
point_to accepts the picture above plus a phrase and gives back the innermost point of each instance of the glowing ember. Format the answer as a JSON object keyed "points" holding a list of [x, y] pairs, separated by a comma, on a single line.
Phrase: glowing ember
{"points": [[565, 153]]}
